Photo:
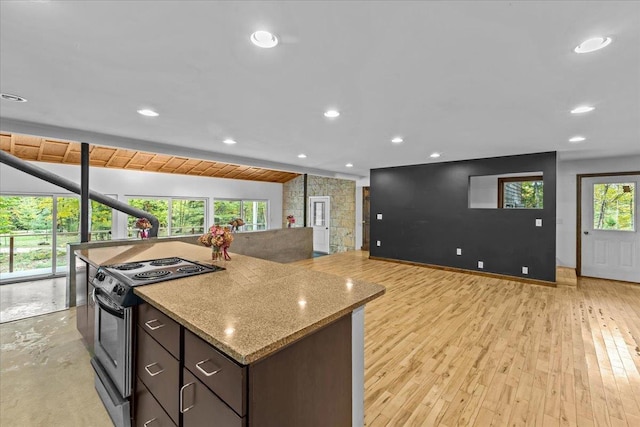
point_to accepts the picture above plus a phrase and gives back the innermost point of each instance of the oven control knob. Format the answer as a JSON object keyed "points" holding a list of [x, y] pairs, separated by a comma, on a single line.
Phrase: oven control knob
{"points": [[119, 289], [100, 276]]}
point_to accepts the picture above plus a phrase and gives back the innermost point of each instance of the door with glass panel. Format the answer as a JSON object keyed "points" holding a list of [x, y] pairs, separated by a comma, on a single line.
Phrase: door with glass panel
{"points": [[610, 241], [26, 235], [32, 243], [319, 220]]}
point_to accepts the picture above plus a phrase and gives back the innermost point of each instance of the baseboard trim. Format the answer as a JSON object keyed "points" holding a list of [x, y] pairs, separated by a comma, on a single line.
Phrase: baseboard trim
{"points": [[626, 282], [477, 273]]}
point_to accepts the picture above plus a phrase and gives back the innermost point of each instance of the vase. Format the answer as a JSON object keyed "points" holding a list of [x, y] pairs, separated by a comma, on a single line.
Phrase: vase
{"points": [[144, 234], [216, 253]]}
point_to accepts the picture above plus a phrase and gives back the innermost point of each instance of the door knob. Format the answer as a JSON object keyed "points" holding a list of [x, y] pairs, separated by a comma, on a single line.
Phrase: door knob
{"points": [[585, 232]]}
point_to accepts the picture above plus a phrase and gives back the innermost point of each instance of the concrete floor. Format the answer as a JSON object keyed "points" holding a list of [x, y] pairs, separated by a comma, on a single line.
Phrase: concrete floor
{"points": [[28, 299], [46, 376]]}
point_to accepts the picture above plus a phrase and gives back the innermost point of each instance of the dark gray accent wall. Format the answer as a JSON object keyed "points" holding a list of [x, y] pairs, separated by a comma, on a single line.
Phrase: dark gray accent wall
{"points": [[425, 217]]}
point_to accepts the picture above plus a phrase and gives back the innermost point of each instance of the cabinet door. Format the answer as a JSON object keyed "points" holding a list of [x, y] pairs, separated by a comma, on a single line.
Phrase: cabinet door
{"points": [[224, 377], [91, 310], [200, 407], [81, 302], [159, 371], [161, 327], [148, 412]]}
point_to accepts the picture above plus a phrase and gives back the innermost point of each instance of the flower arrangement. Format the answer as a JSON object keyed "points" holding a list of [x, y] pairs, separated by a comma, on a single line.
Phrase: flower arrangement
{"points": [[290, 220], [218, 238], [144, 225], [236, 224]]}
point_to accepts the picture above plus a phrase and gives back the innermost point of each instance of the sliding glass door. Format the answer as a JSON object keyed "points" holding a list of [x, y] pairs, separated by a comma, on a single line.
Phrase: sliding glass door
{"points": [[26, 235], [32, 243]]}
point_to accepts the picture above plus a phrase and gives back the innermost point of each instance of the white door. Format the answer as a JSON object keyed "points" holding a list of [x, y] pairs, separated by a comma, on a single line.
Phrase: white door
{"points": [[610, 221], [319, 220]]}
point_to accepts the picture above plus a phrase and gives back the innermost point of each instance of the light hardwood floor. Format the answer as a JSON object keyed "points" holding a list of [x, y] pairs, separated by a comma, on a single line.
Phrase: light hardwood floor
{"points": [[444, 348]]}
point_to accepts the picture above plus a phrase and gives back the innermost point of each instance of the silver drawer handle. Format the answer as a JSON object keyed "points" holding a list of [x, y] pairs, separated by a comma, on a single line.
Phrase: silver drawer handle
{"points": [[149, 422], [205, 372], [182, 389], [153, 374], [153, 328]]}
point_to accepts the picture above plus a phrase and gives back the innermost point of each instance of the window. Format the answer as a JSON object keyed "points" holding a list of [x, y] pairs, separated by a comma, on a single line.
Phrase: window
{"points": [[613, 206], [31, 242], [254, 213], [177, 217], [187, 217], [525, 192]]}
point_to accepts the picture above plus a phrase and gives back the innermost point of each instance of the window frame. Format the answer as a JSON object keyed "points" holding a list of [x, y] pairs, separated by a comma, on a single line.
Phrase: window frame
{"points": [[170, 200], [242, 202], [506, 180]]}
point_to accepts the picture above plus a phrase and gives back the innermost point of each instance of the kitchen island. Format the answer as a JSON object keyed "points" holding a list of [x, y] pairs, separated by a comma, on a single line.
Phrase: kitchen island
{"points": [[285, 343]]}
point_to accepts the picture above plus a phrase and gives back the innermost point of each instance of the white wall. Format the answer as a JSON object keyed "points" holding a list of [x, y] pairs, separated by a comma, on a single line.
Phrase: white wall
{"points": [[125, 183], [567, 199], [483, 192]]}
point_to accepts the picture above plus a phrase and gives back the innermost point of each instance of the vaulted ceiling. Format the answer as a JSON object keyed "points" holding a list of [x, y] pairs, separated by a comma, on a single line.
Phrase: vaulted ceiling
{"points": [[468, 79], [55, 151]]}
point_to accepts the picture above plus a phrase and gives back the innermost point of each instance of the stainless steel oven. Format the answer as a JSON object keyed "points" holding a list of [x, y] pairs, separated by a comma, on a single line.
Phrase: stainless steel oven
{"points": [[114, 300], [113, 356]]}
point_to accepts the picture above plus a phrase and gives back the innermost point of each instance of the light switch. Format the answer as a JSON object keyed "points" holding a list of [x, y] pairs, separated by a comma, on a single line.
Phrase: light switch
{"points": [[378, 243], [525, 270], [538, 222], [480, 264], [459, 251], [378, 216]]}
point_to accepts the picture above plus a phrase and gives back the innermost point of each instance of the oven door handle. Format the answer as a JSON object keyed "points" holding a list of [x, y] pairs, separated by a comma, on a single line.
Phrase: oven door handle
{"points": [[105, 307]]}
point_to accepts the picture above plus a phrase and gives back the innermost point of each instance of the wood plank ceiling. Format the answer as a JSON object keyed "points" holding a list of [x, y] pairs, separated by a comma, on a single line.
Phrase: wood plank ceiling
{"points": [[56, 151]]}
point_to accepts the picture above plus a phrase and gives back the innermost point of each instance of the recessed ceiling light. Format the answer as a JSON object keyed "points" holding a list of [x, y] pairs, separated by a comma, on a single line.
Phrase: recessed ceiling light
{"points": [[302, 156], [264, 39], [592, 44], [148, 113], [229, 141], [349, 165], [14, 98], [332, 114], [582, 109], [397, 140], [434, 155], [577, 139]]}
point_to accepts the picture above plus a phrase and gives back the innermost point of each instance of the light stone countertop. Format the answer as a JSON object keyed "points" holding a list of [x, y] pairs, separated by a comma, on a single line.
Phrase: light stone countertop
{"points": [[250, 310]]}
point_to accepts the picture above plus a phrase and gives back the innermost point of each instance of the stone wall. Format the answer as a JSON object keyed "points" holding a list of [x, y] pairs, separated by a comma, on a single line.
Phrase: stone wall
{"points": [[293, 200], [342, 195]]}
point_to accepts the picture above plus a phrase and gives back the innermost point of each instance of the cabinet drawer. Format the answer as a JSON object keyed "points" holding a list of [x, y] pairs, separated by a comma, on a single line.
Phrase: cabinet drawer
{"points": [[200, 407], [222, 375], [161, 327], [159, 371], [148, 412]]}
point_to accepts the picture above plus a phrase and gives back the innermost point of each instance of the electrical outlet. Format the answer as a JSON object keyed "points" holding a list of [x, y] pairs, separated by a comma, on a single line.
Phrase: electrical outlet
{"points": [[459, 251], [538, 222], [378, 216], [378, 243], [480, 264], [525, 270]]}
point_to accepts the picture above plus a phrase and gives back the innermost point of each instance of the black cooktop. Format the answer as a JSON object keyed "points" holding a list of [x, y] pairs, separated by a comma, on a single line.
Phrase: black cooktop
{"points": [[157, 270]]}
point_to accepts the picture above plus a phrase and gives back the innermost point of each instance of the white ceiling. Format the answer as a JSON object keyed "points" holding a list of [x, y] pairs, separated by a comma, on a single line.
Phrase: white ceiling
{"points": [[469, 79]]}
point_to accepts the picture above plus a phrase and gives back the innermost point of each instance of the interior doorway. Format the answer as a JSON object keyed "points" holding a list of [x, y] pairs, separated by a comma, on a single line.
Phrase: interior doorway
{"points": [[319, 220], [366, 218], [608, 219]]}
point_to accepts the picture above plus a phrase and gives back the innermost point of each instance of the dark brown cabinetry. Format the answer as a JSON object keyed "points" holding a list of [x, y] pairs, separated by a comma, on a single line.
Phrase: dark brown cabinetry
{"points": [[148, 412], [223, 376], [200, 406], [307, 383], [85, 305]]}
